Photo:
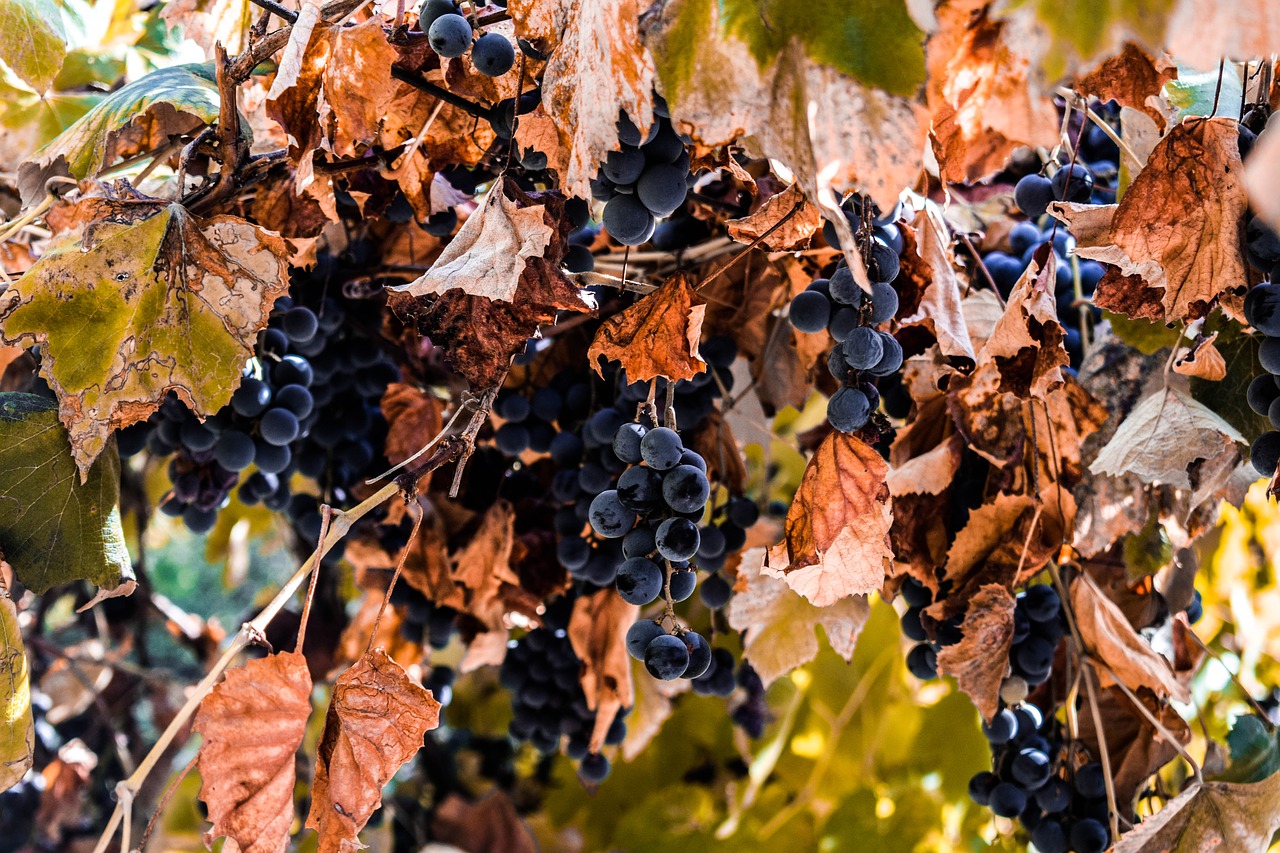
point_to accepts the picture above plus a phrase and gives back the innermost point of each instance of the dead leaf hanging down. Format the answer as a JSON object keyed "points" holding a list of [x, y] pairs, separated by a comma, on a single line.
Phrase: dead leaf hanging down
{"points": [[489, 826], [483, 570], [1262, 177], [657, 336], [175, 302], [980, 659], [291, 60], [252, 724], [1132, 78], [837, 530], [1193, 184], [1211, 816], [984, 98], [1136, 749], [1110, 638], [480, 333], [413, 416], [376, 722], [1164, 437], [653, 705], [1202, 360], [598, 631], [715, 442], [933, 269], [779, 625], [794, 233], [597, 70]]}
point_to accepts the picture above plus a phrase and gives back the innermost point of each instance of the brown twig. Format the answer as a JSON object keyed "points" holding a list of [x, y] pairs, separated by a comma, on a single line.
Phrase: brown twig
{"points": [[404, 555], [164, 801], [756, 242], [326, 514], [468, 436], [422, 84]]}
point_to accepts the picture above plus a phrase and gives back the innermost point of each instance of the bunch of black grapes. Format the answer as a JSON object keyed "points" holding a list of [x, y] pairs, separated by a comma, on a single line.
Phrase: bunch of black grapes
{"points": [[646, 179]]}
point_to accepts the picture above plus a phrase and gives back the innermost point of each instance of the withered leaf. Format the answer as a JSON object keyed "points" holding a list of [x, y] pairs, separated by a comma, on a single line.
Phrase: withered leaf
{"points": [[802, 222], [980, 659], [376, 721], [252, 724], [657, 336], [1211, 816], [1132, 78], [598, 631], [1202, 360], [413, 416], [779, 625], [1110, 638], [837, 529], [176, 303], [1164, 437], [483, 570], [715, 442], [489, 826], [933, 268], [1193, 185], [17, 729], [1135, 747]]}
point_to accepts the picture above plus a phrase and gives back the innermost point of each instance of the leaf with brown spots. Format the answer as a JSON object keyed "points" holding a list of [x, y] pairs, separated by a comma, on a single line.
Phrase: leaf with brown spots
{"points": [[598, 632], [793, 219], [657, 336], [413, 416], [376, 722], [1193, 187], [837, 530], [1132, 78], [980, 659], [252, 724]]}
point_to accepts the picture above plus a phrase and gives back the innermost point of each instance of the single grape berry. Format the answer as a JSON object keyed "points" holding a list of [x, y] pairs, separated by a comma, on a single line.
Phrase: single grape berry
{"points": [[1072, 183], [810, 311], [844, 289], [1033, 194], [666, 657], [715, 592], [608, 517], [624, 166], [884, 303], [686, 489], [1049, 836], [627, 220], [1032, 768], [848, 410], [1090, 781], [891, 361], [493, 55], [677, 539], [594, 768], [639, 635], [1002, 728], [981, 785], [640, 489], [884, 263], [299, 324], [1262, 308], [1089, 836], [253, 396], [922, 662], [450, 35], [662, 188], [639, 581], [699, 654], [234, 451], [1008, 800], [1042, 603], [626, 443], [278, 427], [661, 448], [863, 348], [682, 584], [1265, 453]]}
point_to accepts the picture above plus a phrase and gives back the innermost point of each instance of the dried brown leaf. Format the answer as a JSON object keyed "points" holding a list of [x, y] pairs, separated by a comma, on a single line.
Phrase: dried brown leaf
{"points": [[489, 826], [376, 722], [1110, 638], [1135, 747], [1202, 360], [598, 632], [802, 222], [252, 724], [1211, 816], [413, 418], [933, 268], [837, 530], [483, 570], [1132, 78], [980, 659], [713, 439], [779, 625], [657, 336]]}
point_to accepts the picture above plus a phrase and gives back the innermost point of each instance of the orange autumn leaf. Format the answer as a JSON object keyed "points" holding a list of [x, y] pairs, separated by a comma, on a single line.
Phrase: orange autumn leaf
{"points": [[658, 336], [793, 219], [252, 724], [1132, 78], [598, 632], [376, 722], [413, 418], [837, 530], [980, 659]]}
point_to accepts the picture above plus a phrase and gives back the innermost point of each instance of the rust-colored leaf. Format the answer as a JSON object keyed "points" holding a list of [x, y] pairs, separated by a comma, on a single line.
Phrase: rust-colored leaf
{"points": [[252, 724], [1132, 78], [483, 570], [801, 222], [837, 530], [1110, 638], [657, 336], [376, 721], [413, 418], [1202, 360], [932, 268], [1193, 185], [980, 659], [598, 632], [714, 441], [489, 826]]}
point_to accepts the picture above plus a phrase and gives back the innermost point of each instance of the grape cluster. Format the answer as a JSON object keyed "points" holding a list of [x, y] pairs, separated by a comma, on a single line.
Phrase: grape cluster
{"points": [[840, 306], [680, 654], [450, 35], [726, 534], [646, 179], [541, 670], [1036, 779], [1262, 312]]}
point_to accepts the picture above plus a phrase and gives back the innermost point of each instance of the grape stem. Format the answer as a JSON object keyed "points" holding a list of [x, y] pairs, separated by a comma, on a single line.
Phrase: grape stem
{"points": [[478, 418]]}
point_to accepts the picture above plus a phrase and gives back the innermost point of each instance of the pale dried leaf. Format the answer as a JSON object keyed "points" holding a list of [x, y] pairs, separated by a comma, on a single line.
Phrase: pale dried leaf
{"points": [[794, 233], [941, 306], [1201, 34], [376, 722], [598, 632], [929, 473], [210, 22], [657, 336], [981, 658], [653, 705], [778, 625], [1211, 816], [1202, 360], [252, 724], [294, 51], [837, 529]]}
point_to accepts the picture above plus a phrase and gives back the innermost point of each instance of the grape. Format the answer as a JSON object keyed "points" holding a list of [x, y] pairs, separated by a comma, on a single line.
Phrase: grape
{"points": [[594, 768], [278, 427], [1091, 781], [433, 9], [234, 451], [1269, 355], [1041, 603], [442, 223], [686, 489], [662, 188], [1196, 608], [666, 657], [844, 289], [273, 341], [628, 220], [677, 539], [884, 263], [573, 553], [1263, 244], [640, 489], [1032, 768], [981, 785], [884, 303], [1262, 392], [843, 322], [299, 324], [628, 133], [922, 662], [566, 449], [1072, 183], [513, 439], [1034, 656], [863, 348], [493, 55], [1005, 271], [450, 35], [891, 361], [1054, 796], [1002, 728], [699, 654], [666, 147], [270, 458], [743, 512], [626, 443], [1089, 836], [1023, 236], [624, 166], [609, 518], [1262, 309], [1033, 194], [1008, 800], [682, 584], [292, 370], [713, 543], [716, 592], [1050, 837], [661, 448], [639, 581], [197, 437], [296, 399], [252, 397], [578, 259], [912, 627], [199, 520], [848, 410], [1265, 453], [639, 635]]}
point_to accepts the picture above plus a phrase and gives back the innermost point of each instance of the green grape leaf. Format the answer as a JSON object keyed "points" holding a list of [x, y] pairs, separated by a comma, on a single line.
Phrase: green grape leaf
{"points": [[17, 730], [147, 299], [33, 41], [1195, 93], [54, 528], [1255, 751], [142, 116], [1145, 336], [1228, 398]]}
